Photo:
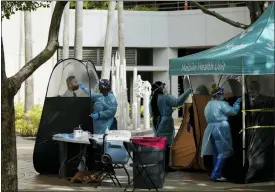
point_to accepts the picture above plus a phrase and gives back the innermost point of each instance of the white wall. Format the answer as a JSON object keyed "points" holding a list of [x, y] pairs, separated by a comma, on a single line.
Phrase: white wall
{"points": [[157, 30], [194, 28], [161, 58], [162, 29]]}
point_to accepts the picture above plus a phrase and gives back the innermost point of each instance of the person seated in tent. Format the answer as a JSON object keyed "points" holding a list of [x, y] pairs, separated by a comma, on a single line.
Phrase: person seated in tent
{"points": [[161, 109], [217, 140], [255, 99], [105, 106], [72, 87]]}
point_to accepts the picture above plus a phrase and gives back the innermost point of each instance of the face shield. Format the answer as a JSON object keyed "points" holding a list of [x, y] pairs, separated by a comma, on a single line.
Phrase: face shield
{"points": [[164, 88], [96, 88], [219, 93], [161, 88], [104, 85]]}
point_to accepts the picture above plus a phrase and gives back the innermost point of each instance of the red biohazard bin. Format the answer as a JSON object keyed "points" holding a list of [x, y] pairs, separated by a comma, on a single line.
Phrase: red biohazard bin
{"points": [[157, 142], [150, 150]]}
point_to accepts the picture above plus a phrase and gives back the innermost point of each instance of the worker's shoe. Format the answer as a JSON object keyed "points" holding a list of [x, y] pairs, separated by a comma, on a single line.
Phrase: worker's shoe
{"points": [[221, 179], [169, 169], [217, 171]]}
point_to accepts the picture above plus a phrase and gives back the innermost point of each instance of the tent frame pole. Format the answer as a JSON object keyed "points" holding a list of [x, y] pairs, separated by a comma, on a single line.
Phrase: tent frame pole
{"points": [[243, 116]]}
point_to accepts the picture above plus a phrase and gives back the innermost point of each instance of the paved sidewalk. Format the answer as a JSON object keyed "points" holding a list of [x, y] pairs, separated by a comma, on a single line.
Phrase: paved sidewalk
{"points": [[30, 180]]}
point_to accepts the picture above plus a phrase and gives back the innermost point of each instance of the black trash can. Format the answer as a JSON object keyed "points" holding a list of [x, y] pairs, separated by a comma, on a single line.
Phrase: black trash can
{"points": [[150, 150]]}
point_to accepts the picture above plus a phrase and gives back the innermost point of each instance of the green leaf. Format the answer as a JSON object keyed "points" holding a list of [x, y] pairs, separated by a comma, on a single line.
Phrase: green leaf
{"points": [[9, 8]]}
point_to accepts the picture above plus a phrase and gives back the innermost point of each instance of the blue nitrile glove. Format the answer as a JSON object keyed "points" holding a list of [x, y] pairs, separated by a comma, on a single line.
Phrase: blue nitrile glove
{"points": [[95, 116], [81, 86], [188, 127], [237, 104], [239, 100], [189, 91]]}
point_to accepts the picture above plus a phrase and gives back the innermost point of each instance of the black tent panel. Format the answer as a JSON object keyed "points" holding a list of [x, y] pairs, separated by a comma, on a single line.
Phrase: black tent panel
{"points": [[260, 142], [63, 112]]}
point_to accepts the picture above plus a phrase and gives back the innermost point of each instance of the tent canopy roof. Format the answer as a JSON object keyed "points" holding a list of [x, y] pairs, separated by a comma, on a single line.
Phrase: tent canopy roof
{"points": [[250, 52]]}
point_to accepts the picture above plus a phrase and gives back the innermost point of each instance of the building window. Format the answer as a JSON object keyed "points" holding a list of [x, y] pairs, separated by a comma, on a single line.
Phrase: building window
{"points": [[130, 55], [95, 55], [144, 57]]}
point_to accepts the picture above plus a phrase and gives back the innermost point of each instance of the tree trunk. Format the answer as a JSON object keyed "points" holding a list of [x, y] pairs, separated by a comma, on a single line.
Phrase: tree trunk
{"points": [[78, 30], [29, 95], [254, 9], [106, 65], [52, 5], [65, 49], [9, 87], [9, 180], [9, 154]]}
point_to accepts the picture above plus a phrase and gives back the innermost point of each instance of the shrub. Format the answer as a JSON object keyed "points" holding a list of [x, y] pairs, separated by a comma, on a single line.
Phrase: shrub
{"points": [[141, 110], [27, 124], [142, 8], [19, 111], [141, 113], [104, 5]]}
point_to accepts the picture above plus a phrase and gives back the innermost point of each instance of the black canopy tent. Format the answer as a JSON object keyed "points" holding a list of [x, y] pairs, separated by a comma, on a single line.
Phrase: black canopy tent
{"points": [[62, 113]]}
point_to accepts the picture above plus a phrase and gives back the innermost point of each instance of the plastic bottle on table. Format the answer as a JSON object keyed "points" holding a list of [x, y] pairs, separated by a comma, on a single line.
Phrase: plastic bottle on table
{"points": [[107, 129], [77, 132]]}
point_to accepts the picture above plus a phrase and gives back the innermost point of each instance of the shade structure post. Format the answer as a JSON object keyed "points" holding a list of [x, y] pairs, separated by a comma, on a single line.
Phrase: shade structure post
{"points": [[121, 48], [134, 104], [113, 77], [126, 104], [105, 74], [138, 113], [143, 91], [117, 65], [146, 95], [138, 82], [118, 90], [122, 97], [243, 116]]}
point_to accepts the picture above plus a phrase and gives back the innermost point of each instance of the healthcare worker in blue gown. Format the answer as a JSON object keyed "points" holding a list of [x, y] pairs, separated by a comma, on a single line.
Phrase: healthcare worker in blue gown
{"points": [[105, 107], [161, 109], [217, 139]]}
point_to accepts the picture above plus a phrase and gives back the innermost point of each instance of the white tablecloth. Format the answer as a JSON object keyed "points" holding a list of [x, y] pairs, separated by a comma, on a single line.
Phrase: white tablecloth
{"points": [[98, 138]]}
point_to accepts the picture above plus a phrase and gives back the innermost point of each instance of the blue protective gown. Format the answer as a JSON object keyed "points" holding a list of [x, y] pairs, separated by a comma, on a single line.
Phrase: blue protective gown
{"points": [[166, 126], [218, 130], [106, 106]]}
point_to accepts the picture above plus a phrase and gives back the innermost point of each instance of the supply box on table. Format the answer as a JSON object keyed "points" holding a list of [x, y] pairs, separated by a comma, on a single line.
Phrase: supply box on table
{"points": [[113, 146]]}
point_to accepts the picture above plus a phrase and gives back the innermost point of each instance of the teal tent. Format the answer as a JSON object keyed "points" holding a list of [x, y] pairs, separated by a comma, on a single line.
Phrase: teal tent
{"points": [[250, 53]]}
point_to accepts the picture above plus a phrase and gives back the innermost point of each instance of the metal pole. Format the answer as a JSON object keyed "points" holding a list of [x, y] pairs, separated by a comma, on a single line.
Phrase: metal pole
{"points": [[243, 115]]}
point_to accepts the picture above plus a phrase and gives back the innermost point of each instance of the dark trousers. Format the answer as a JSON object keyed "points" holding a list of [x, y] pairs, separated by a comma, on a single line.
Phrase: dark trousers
{"points": [[167, 158], [114, 125]]}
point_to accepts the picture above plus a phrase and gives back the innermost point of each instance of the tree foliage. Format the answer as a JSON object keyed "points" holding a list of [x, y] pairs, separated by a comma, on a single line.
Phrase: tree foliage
{"points": [[9, 8], [103, 5]]}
